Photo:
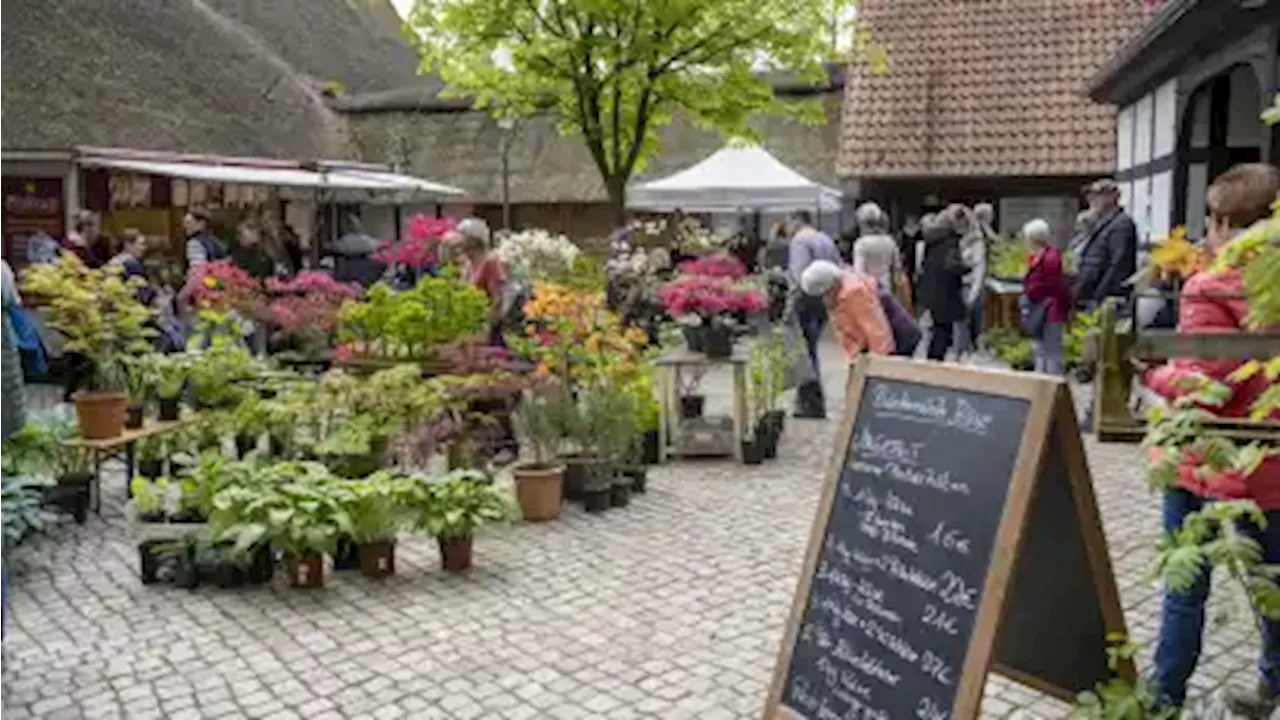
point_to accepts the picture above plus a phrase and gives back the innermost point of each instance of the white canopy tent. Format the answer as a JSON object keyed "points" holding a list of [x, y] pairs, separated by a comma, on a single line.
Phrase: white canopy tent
{"points": [[732, 179]]}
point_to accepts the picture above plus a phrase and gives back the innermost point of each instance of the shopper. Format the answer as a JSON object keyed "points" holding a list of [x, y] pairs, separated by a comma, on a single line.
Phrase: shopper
{"points": [[248, 253], [133, 247], [201, 246], [1108, 256], [941, 274], [858, 312], [1046, 286], [875, 252], [1213, 302], [85, 241], [808, 245]]}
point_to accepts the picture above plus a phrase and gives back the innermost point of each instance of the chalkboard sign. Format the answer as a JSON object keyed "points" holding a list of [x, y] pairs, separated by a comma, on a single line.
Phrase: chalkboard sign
{"points": [[916, 541]]}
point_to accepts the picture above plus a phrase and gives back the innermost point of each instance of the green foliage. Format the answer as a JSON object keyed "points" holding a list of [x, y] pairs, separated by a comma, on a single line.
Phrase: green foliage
{"points": [[1009, 259], [455, 506], [25, 519], [1073, 342], [378, 506], [150, 497], [1011, 347], [587, 274], [544, 415], [407, 324], [298, 508], [607, 418], [39, 448], [1118, 699], [97, 310], [165, 374], [770, 360], [616, 72]]}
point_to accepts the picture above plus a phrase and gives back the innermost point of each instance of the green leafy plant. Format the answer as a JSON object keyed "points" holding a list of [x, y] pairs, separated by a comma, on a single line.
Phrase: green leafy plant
{"points": [[377, 507], [543, 415], [607, 423], [166, 374], [461, 502], [299, 510], [25, 519], [408, 324], [40, 447], [1009, 259], [97, 310], [1010, 347], [150, 497], [1082, 325], [770, 360]]}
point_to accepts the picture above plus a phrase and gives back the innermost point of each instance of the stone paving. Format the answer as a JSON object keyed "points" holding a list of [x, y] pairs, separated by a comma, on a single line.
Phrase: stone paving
{"points": [[670, 608]]}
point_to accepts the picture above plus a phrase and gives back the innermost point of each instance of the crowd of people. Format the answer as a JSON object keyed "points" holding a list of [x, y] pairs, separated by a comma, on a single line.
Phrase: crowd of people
{"points": [[874, 285]]}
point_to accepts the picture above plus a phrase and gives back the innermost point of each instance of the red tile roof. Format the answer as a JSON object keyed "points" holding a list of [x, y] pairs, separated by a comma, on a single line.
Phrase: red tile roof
{"points": [[984, 88]]}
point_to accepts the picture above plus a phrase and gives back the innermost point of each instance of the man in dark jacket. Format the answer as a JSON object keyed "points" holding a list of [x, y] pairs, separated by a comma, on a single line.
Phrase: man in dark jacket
{"points": [[1109, 256]]}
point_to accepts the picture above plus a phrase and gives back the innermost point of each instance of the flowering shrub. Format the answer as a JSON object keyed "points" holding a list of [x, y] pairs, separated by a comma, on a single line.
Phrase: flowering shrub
{"points": [[421, 248], [721, 265], [221, 286], [708, 297], [569, 328], [306, 307], [537, 254]]}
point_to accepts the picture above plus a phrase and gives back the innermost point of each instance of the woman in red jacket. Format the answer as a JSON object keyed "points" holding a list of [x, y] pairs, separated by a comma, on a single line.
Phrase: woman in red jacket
{"points": [[1214, 302], [1047, 283]]}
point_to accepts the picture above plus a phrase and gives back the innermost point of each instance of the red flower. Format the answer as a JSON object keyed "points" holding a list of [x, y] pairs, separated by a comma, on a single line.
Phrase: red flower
{"points": [[309, 302]]}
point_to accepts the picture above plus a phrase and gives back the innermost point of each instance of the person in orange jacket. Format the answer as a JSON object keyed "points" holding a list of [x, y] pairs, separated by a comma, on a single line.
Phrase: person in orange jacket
{"points": [[853, 304], [1214, 302]]}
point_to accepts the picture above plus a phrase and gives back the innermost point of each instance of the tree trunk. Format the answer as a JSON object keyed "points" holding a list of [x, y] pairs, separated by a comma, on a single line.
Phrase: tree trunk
{"points": [[617, 189]]}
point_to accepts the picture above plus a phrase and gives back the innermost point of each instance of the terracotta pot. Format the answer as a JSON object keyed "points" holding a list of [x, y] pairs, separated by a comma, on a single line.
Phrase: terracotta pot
{"points": [[101, 414], [377, 559], [305, 571], [455, 553], [539, 488]]}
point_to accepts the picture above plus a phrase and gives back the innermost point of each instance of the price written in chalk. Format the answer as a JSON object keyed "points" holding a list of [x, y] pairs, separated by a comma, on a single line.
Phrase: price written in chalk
{"points": [[949, 538]]}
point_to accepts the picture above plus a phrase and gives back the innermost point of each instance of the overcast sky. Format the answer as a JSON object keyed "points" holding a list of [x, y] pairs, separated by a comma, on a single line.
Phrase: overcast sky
{"points": [[402, 6]]}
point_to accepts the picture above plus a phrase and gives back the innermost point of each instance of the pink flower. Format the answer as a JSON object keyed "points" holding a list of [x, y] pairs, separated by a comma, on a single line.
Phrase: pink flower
{"points": [[721, 265], [707, 296], [421, 248], [220, 285]]}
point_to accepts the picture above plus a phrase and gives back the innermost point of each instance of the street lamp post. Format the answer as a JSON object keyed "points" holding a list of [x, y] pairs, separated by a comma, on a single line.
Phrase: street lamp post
{"points": [[507, 127]]}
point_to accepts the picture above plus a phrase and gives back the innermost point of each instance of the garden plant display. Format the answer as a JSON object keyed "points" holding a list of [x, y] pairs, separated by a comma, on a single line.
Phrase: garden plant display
{"points": [[537, 255], [420, 250], [706, 307], [222, 287], [102, 319], [410, 324], [304, 309]]}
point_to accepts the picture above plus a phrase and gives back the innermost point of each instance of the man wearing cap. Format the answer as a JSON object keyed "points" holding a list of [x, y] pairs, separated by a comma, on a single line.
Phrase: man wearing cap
{"points": [[1109, 255]]}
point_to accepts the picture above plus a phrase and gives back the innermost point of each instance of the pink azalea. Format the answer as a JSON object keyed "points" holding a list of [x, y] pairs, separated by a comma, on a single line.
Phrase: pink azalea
{"points": [[421, 249], [222, 286], [721, 265], [707, 296]]}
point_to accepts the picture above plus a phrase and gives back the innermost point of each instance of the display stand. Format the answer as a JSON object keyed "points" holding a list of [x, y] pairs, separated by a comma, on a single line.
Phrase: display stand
{"points": [[671, 368]]}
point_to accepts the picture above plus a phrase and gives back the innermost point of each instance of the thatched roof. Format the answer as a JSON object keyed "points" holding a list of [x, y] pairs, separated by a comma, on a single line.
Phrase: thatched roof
{"points": [[241, 77], [425, 135]]}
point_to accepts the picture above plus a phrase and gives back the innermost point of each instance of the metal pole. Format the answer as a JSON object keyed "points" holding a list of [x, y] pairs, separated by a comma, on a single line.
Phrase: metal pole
{"points": [[506, 180]]}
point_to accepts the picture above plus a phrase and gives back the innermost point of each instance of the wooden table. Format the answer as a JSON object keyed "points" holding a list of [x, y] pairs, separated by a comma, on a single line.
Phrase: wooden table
{"points": [[670, 365], [120, 448]]}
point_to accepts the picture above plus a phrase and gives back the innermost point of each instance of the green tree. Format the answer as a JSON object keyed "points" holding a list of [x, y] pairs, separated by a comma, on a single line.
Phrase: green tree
{"points": [[617, 71]]}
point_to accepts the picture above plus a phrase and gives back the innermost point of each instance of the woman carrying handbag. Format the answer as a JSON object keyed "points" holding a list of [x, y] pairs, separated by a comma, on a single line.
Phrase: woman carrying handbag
{"points": [[1046, 298]]}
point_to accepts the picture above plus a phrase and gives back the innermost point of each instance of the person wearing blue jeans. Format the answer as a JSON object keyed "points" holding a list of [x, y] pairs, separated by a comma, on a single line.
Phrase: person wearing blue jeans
{"points": [[1183, 613]]}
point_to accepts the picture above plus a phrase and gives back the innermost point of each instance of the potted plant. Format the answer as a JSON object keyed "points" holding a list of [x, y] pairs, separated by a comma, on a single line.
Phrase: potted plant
{"points": [[458, 505], [150, 453], [99, 313], [770, 359], [138, 388], [377, 510], [608, 429], [167, 375], [708, 305], [297, 508], [540, 483]]}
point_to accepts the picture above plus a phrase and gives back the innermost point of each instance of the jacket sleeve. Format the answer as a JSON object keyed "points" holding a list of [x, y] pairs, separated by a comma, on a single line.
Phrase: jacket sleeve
{"points": [[1120, 239], [1207, 307]]}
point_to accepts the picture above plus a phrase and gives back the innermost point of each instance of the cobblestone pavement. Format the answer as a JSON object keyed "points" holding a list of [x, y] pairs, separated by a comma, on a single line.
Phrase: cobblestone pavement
{"points": [[670, 608]]}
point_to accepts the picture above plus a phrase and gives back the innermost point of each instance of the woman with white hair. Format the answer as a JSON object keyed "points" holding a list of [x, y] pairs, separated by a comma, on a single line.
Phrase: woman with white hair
{"points": [[1048, 297], [483, 269], [875, 252], [853, 305]]}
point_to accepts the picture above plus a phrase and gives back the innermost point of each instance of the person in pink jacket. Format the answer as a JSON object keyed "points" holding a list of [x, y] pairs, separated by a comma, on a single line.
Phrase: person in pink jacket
{"points": [[853, 304], [1214, 302]]}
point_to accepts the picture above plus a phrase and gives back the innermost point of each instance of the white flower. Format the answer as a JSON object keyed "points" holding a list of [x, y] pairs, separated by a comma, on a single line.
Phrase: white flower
{"points": [[538, 254]]}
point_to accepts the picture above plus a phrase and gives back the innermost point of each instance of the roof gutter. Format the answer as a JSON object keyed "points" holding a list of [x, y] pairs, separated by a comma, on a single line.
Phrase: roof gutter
{"points": [[1102, 86]]}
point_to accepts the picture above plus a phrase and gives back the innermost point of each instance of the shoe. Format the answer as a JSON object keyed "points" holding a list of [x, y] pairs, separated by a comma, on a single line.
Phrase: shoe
{"points": [[1257, 703], [809, 414]]}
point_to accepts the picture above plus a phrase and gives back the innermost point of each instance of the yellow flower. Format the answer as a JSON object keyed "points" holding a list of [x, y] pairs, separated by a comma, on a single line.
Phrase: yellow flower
{"points": [[211, 283]]}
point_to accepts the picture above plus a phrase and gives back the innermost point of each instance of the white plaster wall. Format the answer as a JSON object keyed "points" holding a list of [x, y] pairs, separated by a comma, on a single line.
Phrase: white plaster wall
{"points": [[1166, 119], [1141, 208], [1161, 204], [1144, 115], [1124, 138]]}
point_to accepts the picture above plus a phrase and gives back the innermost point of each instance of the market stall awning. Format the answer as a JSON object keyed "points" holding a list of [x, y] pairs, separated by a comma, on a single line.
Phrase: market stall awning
{"points": [[732, 179], [340, 182]]}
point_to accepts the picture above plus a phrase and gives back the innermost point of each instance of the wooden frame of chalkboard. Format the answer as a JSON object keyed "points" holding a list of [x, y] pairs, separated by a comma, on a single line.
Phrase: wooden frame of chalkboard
{"points": [[1069, 590]]}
